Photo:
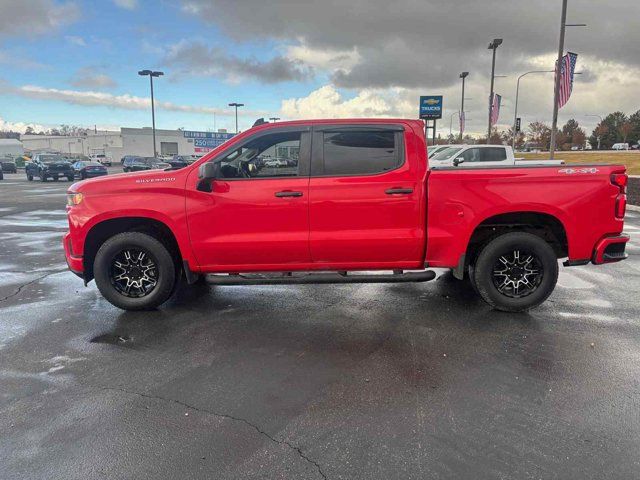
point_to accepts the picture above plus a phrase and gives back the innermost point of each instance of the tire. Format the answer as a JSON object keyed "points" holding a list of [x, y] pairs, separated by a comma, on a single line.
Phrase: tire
{"points": [[55, 178], [500, 274], [30, 178], [71, 178], [105, 271], [43, 177]]}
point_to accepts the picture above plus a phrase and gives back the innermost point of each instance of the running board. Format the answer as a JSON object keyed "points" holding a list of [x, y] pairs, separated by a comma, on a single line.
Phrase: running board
{"points": [[291, 278]]}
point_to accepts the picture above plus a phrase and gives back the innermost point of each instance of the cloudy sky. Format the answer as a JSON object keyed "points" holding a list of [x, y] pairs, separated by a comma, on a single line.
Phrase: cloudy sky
{"points": [[76, 61]]}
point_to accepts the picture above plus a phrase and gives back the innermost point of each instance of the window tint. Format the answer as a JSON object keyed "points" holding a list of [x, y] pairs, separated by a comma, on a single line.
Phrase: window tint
{"points": [[268, 156], [446, 154], [352, 152], [471, 155], [489, 154]]}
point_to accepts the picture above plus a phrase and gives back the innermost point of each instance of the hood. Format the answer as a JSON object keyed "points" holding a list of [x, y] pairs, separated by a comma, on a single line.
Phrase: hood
{"points": [[118, 181]]}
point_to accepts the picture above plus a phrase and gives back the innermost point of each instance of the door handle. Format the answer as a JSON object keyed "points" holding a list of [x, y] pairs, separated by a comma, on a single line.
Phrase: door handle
{"points": [[288, 194], [401, 191]]}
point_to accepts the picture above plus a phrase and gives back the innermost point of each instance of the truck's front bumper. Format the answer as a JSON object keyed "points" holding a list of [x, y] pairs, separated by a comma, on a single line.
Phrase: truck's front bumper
{"points": [[610, 249], [73, 261]]}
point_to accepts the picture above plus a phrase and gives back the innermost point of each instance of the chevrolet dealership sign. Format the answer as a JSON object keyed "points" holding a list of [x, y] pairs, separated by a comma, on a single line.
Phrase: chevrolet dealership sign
{"points": [[431, 107]]}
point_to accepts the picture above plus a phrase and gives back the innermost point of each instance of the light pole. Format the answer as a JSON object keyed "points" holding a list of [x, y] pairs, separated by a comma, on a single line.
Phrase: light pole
{"points": [[515, 113], [600, 118], [151, 74], [236, 105], [463, 75], [492, 46], [274, 119], [556, 87]]}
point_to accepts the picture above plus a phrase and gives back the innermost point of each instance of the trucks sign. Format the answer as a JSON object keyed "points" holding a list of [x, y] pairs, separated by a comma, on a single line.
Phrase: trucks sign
{"points": [[431, 107]]}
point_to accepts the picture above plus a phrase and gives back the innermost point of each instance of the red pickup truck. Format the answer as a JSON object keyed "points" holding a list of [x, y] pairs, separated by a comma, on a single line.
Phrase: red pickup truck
{"points": [[340, 201]]}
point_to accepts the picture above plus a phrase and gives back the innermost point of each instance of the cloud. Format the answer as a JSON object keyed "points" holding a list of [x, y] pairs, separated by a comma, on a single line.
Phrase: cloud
{"points": [[20, 127], [327, 102], [126, 4], [101, 99], [195, 58], [19, 61], [87, 77], [35, 17], [75, 40]]}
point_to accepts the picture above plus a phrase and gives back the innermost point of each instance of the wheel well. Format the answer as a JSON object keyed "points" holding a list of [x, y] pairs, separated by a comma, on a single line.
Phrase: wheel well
{"points": [[545, 226], [104, 230]]}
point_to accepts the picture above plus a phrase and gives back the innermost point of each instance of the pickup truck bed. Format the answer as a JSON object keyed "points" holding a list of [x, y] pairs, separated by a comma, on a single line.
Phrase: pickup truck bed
{"points": [[349, 196]]}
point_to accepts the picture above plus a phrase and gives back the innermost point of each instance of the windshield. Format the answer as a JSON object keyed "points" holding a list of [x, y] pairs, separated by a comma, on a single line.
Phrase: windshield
{"points": [[446, 154], [51, 158], [150, 160]]}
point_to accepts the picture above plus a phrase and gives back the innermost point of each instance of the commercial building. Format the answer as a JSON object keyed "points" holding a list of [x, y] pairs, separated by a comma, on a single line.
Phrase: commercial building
{"points": [[10, 147], [128, 141]]}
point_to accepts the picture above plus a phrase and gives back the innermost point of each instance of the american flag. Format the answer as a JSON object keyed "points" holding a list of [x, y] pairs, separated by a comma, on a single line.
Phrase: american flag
{"points": [[495, 108], [461, 123], [567, 68]]}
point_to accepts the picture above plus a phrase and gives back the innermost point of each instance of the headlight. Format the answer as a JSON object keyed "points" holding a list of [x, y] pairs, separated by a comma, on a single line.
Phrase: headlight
{"points": [[74, 199]]}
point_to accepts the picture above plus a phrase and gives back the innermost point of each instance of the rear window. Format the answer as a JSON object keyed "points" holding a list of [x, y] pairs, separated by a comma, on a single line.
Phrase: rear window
{"points": [[51, 158], [360, 152]]}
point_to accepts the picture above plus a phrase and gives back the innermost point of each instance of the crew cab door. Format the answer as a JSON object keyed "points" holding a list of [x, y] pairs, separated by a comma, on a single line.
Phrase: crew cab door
{"points": [[257, 215], [367, 199]]}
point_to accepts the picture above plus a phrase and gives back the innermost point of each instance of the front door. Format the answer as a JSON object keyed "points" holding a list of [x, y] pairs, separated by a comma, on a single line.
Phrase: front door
{"points": [[257, 215], [367, 203]]}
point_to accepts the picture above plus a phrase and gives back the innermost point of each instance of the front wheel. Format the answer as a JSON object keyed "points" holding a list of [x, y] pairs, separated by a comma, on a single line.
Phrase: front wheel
{"points": [[516, 272], [30, 178], [43, 177], [134, 271]]}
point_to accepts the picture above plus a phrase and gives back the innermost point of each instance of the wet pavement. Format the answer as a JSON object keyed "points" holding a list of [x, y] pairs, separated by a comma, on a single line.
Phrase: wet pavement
{"points": [[352, 381]]}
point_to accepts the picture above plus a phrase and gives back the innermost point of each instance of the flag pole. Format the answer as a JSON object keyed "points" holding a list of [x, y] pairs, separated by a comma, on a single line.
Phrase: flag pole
{"points": [[556, 90]]}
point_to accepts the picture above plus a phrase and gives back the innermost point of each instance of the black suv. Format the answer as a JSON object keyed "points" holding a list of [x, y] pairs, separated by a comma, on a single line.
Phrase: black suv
{"points": [[49, 165], [8, 165]]}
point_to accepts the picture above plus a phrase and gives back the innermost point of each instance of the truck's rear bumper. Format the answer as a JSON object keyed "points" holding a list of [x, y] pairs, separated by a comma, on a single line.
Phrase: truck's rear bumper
{"points": [[73, 261], [610, 249]]}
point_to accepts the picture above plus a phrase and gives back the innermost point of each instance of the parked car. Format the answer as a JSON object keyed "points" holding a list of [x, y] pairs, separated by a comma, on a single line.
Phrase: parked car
{"points": [[620, 146], [8, 165], [433, 149], [366, 201], [276, 163], [482, 156], [128, 157], [48, 165], [137, 164], [176, 162], [88, 169], [1, 174], [101, 158]]}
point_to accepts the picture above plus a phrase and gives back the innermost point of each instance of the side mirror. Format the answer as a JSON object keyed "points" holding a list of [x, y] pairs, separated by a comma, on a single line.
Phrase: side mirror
{"points": [[206, 173], [458, 161]]}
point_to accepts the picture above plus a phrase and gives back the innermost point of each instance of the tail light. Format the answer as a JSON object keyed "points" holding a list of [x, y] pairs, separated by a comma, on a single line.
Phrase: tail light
{"points": [[620, 180]]}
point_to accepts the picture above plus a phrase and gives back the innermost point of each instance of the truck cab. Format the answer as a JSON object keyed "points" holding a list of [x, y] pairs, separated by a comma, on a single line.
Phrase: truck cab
{"points": [[481, 156]]}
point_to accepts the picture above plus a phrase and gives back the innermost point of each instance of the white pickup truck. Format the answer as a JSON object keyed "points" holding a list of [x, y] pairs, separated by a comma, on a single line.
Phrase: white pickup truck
{"points": [[481, 156]]}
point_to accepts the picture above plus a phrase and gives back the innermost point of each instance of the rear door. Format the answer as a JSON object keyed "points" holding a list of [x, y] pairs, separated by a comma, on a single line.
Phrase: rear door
{"points": [[366, 198]]}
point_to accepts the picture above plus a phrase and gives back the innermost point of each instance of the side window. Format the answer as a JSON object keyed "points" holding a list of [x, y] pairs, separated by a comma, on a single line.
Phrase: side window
{"points": [[268, 156], [360, 152], [471, 155], [493, 154]]}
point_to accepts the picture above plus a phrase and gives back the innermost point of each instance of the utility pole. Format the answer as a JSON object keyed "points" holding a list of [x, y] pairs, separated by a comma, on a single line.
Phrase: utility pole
{"points": [[463, 75], [492, 46]]}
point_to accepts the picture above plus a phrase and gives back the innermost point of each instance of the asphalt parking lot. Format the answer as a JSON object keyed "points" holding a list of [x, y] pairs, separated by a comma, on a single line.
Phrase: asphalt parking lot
{"points": [[351, 381]]}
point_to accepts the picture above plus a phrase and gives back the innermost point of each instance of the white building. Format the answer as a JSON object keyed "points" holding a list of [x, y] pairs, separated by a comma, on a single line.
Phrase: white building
{"points": [[10, 147], [128, 141]]}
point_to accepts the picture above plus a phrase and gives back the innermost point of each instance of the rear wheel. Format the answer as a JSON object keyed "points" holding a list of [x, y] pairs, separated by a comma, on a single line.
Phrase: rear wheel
{"points": [[134, 271], [43, 177], [30, 177], [515, 272], [70, 178]]}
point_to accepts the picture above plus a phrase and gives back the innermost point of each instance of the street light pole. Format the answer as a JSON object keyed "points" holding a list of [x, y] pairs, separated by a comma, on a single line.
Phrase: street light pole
{"points": [[236, 105], [463, 75], [515, 113], [492, 46], [152, 74], [556, 89], [451, 125]]}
